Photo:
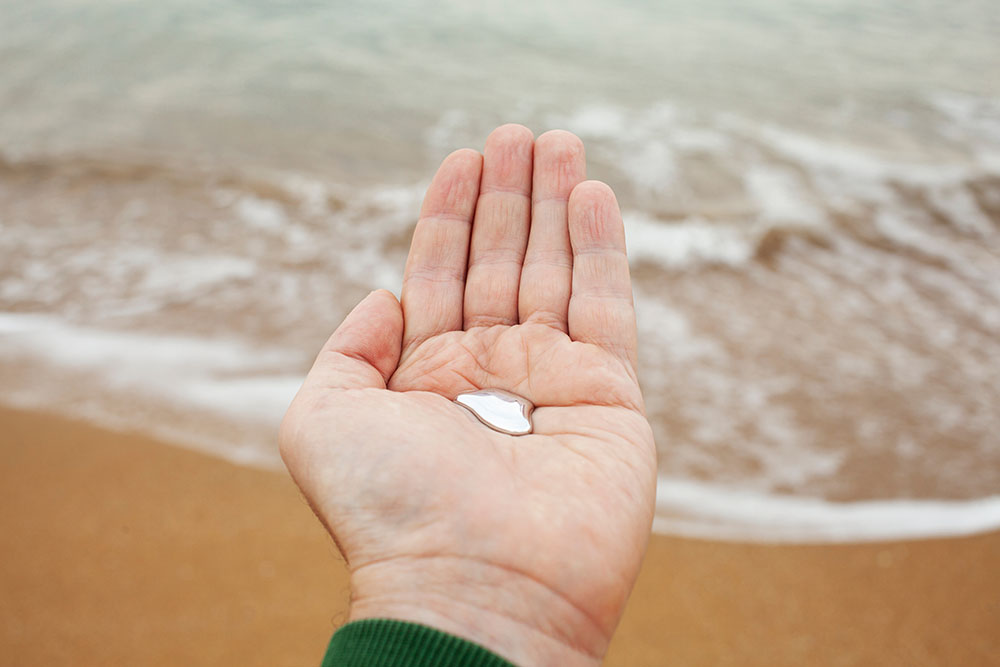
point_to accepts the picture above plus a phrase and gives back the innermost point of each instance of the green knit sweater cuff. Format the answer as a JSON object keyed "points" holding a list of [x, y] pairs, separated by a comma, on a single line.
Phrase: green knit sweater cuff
{"points": [[387, 643]]}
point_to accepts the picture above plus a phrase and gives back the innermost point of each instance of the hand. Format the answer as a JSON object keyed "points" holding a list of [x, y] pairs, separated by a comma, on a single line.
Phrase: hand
{"points": [[516, 279]]}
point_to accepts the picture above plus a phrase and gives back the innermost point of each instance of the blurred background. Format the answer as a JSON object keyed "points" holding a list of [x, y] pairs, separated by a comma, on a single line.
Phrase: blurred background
{"points": [[193, 194]]}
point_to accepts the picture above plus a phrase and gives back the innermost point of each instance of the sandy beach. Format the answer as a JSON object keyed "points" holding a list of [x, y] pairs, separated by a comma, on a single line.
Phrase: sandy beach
{"points": [[121, 550], [194, 195]]}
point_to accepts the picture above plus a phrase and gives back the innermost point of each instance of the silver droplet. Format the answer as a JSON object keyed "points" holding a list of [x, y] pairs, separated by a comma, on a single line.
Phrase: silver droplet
{"points": [[500, 410]]}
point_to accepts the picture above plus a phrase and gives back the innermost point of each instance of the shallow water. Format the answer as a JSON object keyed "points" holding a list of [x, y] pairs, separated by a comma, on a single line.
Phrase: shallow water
{"points": [[192, 196]]}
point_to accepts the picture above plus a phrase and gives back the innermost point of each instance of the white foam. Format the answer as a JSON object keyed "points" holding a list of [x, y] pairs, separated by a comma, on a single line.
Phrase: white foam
{"points": [[781, 197], [441, 136], [658, 322], [687, 243], [651, 166], [596, 121], [312, 194], [169, 385], [695, 509], [150, 382], [961, 208], [976, 118], [192, 274], [264, 214], [855, 165], [699, 140]]}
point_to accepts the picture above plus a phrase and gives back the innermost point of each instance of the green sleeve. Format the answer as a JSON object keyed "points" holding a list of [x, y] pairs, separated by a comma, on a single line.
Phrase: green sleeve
{"points": [[388, 643]]}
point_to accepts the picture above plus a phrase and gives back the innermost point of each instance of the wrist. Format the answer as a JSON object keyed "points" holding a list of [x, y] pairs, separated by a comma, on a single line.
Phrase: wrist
{"points": [[507, 612]]}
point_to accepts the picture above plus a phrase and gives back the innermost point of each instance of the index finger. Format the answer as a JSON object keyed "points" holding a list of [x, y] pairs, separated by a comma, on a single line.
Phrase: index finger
{"points": [[434, 278]]}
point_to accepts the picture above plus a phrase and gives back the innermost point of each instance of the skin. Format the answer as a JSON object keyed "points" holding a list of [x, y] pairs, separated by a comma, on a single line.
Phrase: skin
{"points": [[529, 545]]}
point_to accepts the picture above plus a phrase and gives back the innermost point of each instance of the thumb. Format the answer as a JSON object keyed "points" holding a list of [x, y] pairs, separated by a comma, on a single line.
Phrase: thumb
{"points": [[364, 350]]}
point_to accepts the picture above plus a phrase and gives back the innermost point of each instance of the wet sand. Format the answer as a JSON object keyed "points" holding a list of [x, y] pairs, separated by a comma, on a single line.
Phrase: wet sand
{"points": [[121, 550]]}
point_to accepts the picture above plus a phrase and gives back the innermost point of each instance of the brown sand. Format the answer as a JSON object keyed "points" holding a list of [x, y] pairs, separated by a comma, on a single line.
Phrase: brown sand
{"points": [[119, 550]]}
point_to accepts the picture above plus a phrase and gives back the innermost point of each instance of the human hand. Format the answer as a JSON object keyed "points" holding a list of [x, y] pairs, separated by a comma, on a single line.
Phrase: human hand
{"points": [[528, 545]]}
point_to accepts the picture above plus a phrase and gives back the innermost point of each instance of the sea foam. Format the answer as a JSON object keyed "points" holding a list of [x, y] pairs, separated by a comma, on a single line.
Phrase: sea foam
{"points": [[173, 386], [693, 509]]}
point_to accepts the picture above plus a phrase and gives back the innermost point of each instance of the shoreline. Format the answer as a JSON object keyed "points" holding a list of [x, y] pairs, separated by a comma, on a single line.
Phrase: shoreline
{"points": [[205, 385], [125, 550]]}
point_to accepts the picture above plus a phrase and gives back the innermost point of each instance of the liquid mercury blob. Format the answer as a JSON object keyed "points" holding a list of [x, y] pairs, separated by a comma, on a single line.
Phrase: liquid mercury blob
{"points": [[500, 410]]}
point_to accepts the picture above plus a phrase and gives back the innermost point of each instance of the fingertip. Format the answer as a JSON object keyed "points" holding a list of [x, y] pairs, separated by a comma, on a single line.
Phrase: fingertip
{"points": [[373, 331], [389, 300], [364, 350], [507, 162], [383, 294], [594, 217], [593, 192], [383, 306], [464, 157], [510, 132], [561, 144], [455, 186]]}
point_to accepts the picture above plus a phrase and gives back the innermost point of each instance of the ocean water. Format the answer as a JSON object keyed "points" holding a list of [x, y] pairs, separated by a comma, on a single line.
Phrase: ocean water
{"points": [[193, 194]]}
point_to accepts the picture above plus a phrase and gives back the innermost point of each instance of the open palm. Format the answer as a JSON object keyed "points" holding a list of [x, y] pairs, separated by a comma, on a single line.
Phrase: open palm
{"points": [[517, 279]]}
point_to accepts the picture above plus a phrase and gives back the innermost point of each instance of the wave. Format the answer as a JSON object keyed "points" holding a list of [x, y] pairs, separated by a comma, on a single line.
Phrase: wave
{"points": [[219, 396], [818, 317], [224, 398], [710, 511], [699, 189]]}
